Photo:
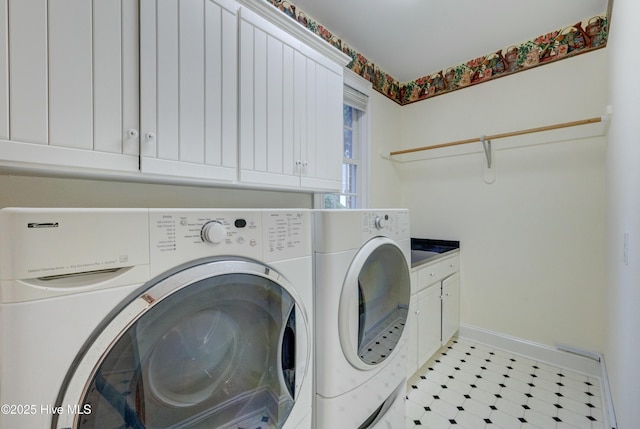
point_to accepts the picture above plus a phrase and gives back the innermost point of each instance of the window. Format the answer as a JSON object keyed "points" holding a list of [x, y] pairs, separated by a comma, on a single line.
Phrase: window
{"points": [[355, 144], [352, 166]]}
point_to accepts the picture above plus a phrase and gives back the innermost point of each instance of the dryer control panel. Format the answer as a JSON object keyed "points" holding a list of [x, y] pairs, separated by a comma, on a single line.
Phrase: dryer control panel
{"points": [[181, 235], [389, 223]]}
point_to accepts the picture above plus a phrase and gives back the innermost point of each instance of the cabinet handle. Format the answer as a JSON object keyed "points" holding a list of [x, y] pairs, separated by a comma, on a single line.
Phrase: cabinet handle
{"points": [[150, 136], [132, 133], [432, 274]]}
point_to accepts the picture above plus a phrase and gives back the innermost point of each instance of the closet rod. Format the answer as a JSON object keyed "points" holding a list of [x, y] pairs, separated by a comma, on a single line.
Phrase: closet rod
{"points": [[503, 135]]}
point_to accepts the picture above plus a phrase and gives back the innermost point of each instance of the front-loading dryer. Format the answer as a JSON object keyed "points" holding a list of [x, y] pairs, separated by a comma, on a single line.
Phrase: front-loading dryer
{"points": [[155, 318], [362, 292]]}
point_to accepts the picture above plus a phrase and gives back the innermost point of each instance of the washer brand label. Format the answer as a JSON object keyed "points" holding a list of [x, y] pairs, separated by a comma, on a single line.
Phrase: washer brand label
{"points": [[42, 225]]}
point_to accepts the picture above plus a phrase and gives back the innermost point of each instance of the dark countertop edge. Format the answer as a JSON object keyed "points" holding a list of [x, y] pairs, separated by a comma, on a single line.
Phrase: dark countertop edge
{"points": [[420, 243], [435, 258]]}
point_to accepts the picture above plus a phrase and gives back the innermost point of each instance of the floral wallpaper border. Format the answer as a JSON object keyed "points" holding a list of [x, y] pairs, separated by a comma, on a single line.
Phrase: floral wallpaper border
{"points": [[584, 36]]}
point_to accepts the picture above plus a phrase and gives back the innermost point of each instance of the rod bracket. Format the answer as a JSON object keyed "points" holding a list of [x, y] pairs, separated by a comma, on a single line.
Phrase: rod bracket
{"points": [[489, 169], [486, 145]]}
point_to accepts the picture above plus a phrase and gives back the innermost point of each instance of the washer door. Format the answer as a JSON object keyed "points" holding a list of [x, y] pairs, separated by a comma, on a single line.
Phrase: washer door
{"points": [[216, 344], [374, 303]]}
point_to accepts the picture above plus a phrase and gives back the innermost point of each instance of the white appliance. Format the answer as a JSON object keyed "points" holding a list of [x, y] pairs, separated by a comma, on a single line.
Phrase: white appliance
{"points": [[155, 318], [362, 292]]}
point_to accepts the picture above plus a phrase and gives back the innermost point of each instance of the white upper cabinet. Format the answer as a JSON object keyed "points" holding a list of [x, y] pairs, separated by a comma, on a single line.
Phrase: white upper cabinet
{"points": [[290, 109], [188, 75], [171, 90], [69, 83]]}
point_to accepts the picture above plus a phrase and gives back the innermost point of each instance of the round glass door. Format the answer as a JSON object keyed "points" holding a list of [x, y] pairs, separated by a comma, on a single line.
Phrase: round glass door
{"points": [[213, 346], [375, 303]]}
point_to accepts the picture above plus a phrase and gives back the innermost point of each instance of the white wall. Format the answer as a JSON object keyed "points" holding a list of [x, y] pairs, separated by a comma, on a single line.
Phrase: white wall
{"points": [[33, 191], [533, 257], [622, 354], [385, 122]]}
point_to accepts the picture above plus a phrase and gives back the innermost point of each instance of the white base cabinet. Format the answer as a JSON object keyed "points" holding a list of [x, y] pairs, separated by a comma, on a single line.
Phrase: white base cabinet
{"points": [[434, 316]]}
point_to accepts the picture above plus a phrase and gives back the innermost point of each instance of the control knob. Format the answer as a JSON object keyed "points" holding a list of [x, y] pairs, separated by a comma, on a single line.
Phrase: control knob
{"points": [[213, 232], [380, 222]]}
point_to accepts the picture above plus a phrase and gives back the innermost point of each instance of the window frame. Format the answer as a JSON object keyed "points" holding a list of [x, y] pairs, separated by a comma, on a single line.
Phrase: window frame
{"points": [[357, 94]]}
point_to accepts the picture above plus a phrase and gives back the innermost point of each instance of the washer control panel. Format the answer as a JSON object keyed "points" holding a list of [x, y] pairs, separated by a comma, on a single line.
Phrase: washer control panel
{"points": [[266, 235]]}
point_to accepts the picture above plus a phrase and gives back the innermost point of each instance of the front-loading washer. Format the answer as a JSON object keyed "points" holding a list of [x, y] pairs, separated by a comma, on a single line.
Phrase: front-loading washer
{"points": [[362, 293], [155, 318]]}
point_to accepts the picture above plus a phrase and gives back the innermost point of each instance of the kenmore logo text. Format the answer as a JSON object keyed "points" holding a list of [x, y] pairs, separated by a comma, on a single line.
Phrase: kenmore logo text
{"points": [[42, 225]]}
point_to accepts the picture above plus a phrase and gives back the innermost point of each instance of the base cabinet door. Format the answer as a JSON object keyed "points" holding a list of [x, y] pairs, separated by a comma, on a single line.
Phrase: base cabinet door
{"points": [[450, 307], [69, 84], [412, 333], [429, 315], [434, 315], [188, 81]]}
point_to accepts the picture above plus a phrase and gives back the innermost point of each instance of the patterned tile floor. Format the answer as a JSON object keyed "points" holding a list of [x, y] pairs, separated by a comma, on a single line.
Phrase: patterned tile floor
{"points": [[472, 386], [386, 336]]}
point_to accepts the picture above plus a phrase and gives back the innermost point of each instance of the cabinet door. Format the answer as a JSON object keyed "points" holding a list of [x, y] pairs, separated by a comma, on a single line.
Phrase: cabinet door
{"points": [[188, 78], [4, 70], [412, 334], [272, 85], [322, 145], [450, 307], [290, 110], [74, 83], [429, 316]]}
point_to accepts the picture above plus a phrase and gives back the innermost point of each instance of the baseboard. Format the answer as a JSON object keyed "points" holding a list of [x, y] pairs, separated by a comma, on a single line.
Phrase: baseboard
{"points": [[608, 399], [531, 349], [564, 356]]}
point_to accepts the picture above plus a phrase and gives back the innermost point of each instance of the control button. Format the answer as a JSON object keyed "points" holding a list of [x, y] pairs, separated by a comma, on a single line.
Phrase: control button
{"points": [[380, 222], [240, 239], [213, 232], [253, 243], [240, 223]]}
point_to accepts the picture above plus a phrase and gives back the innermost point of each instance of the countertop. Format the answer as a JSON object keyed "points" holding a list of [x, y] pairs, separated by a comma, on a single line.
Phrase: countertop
{"points": [[422, 257], [426, 250]]}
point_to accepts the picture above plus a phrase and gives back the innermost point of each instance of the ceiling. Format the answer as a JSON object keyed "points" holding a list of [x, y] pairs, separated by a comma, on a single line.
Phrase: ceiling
{"points": [[409, 39]]}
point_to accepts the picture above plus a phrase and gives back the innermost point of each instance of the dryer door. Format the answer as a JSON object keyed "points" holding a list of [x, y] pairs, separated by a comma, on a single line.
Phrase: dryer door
{"points": [[374, 303], [217, 344]]}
